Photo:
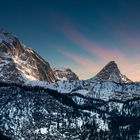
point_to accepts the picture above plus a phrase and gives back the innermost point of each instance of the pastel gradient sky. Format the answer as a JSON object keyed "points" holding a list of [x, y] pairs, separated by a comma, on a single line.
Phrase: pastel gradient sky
{"points": [[83, 35]]}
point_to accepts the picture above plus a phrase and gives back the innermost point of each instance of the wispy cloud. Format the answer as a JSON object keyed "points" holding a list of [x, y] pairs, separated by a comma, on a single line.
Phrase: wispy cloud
{"points": [[128, 65], [130, 39], [97, 49], [86, 67]]}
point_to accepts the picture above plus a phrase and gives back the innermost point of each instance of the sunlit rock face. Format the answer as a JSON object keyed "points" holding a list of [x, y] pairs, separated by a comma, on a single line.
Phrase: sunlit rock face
{"points": [[19, 63]]}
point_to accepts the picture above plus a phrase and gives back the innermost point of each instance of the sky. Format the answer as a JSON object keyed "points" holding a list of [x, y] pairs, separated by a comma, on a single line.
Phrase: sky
{"points": [[83, 35]]}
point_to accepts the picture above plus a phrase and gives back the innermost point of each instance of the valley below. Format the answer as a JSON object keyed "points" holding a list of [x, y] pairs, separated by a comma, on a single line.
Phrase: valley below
{"points": [[33, 112]]}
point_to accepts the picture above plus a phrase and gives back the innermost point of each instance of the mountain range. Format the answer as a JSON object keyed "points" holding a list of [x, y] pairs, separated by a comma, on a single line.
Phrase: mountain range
{"points": [[38, 102], [19, 63]]}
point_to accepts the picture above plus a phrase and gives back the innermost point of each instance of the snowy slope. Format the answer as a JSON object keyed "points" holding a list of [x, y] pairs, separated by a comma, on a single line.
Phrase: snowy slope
{"points": [[34, 113]]}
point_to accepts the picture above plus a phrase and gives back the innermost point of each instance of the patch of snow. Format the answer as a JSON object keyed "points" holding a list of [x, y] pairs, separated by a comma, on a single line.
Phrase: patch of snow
{"points": [[83, 92], [37, 83], [42, 130]]}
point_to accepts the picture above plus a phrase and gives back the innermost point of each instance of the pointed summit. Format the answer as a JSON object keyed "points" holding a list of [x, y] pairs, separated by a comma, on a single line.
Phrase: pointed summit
{"points": [[112, 63], [111, 72]]}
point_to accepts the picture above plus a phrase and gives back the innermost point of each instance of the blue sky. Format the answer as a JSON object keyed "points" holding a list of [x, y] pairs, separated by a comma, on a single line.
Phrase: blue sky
{"points": [[82, 35]]}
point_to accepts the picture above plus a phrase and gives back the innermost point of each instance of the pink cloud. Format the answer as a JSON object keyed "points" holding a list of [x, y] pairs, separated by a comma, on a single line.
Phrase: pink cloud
{"points": [[86, 68], [130, 39], [83, 61], [89, 68], [128, 65], [93, 47]]}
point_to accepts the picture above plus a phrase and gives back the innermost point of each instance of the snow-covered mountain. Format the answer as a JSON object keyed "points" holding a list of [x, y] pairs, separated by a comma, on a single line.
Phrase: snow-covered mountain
{"points": [[65, 74], [111, 72], [19, 63]]}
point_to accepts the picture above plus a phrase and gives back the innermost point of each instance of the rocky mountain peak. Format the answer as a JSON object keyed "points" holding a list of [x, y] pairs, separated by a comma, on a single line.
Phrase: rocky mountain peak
{"points": [[111, 72], [111, 63], [19, 63]]}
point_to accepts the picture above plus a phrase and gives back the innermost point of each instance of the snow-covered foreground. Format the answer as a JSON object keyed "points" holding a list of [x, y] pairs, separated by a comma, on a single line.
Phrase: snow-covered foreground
{"points": [[32, 112]]}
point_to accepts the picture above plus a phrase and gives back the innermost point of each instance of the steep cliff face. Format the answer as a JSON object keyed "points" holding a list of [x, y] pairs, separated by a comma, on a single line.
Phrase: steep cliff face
{"points": [[19, 63], [65, 74]]}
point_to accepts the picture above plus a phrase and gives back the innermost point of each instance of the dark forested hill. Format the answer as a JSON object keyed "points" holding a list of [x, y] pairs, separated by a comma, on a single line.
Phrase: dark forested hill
{"points": [[29, 113]]}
